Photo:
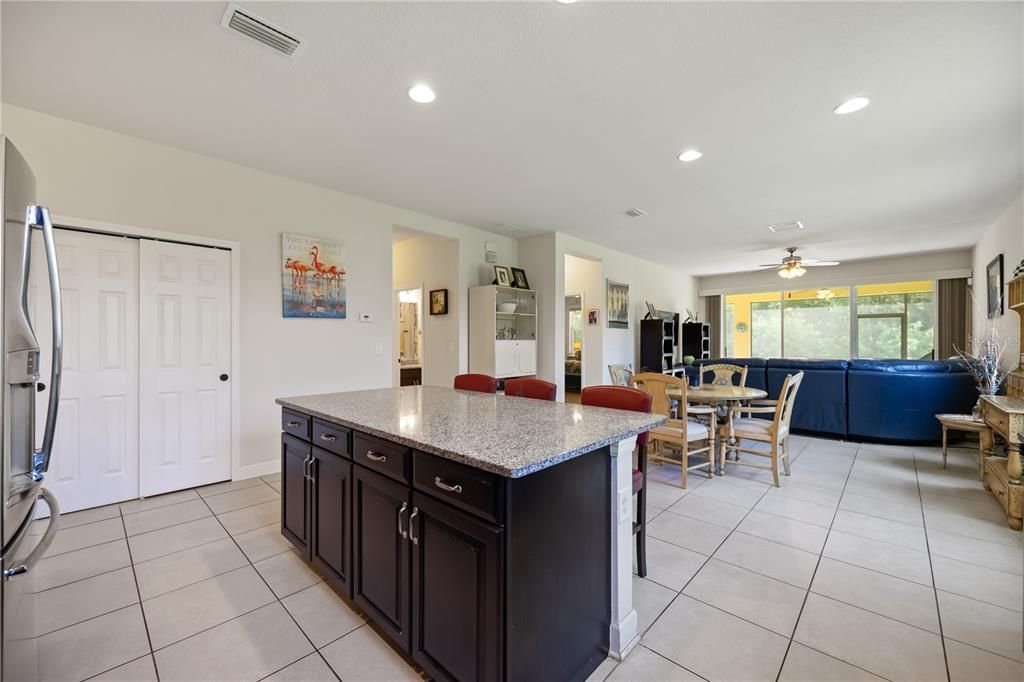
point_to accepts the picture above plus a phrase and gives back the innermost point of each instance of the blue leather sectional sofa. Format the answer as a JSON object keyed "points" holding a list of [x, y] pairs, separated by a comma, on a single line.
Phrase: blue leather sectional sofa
{"points": [[883, 400]]}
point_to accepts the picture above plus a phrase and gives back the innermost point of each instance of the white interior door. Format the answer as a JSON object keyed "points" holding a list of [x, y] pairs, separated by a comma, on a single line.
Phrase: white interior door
{"points": [[185, 360], [96, 446]]}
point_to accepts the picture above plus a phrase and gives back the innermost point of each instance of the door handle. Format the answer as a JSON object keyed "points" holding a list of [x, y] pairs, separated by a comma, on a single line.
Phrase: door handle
{"points": [[412, 519], [305, 466], [370, 454], [38, 217], [403, 533], [294, 424], [330, 438], [312, 469], [444, 485], [44, 544]]}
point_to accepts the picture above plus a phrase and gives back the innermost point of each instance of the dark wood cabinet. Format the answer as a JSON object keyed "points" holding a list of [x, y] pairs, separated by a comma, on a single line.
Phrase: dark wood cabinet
{"points": [[380, 571], [295, 455], [330, 511], [457, 593], [473, 575]]}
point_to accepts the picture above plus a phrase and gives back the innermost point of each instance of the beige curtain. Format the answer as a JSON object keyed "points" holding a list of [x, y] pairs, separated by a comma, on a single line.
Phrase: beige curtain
{"points": [[713, 316], [953, 328]]}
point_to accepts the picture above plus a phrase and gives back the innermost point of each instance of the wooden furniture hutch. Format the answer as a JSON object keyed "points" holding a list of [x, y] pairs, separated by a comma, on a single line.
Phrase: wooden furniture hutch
{"points": [[1005, 414]]}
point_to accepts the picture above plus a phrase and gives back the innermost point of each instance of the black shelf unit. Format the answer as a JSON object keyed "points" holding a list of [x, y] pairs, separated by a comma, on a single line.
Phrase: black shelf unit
{"points": [[659, 340], [696, 339]]}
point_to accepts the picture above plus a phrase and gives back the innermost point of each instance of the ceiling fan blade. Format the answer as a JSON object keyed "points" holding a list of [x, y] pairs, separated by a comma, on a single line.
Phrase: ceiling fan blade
{"points": [[770, 265], [819, 263]]}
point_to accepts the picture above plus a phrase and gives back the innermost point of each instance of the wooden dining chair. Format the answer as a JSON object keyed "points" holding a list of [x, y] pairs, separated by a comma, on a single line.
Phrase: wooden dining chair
{"points": [[676, 432], [537, 389], [774, 432], [481, 383], [620, 374], [624, 398], [723, 374]]}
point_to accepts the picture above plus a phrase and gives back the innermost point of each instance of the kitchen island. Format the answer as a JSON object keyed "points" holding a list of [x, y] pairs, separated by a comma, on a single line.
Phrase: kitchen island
{"points": [[488, 537]]}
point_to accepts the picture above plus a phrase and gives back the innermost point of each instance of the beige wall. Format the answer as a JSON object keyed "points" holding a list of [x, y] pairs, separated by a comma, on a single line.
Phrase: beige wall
{"points": [[90, 173], [1005, 236], [586, 277], [896, 269]]}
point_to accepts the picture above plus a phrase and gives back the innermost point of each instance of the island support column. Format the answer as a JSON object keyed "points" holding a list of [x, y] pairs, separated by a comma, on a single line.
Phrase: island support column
{"points": [[625, 633]]}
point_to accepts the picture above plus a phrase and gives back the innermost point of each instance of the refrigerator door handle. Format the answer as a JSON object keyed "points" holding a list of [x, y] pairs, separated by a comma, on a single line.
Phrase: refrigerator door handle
{"points": [[44, 544], [39, 217]]}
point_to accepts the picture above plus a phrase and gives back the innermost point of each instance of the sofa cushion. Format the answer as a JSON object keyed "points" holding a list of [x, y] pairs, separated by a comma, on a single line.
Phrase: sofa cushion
{"points": [[821, 402], [903, 366]]}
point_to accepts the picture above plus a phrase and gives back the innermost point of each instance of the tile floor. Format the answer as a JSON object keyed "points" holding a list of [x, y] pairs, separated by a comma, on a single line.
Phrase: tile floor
{"points": [[871, 562]]}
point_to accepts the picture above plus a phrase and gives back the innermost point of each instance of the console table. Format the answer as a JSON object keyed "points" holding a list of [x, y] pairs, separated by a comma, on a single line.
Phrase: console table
{"points": [[1002, 475]]}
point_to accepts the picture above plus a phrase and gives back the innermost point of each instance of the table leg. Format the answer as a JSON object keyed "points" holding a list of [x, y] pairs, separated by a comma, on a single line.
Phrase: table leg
{"points": [[945, 431], [1013, 465], [624, 632], [985, 444]]}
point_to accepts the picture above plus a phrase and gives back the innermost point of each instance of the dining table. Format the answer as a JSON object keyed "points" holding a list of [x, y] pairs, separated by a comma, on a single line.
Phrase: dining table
{"points": [[720, 398]]}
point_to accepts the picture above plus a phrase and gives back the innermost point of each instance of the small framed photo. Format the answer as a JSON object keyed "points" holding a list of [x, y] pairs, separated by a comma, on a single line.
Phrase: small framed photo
{"points": [[593, 317], [519, 280], [438, 301], [994, 286], [502, 276]]}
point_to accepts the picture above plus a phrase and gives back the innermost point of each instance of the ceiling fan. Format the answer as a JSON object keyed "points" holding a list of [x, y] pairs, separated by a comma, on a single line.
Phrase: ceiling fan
{"points": [[793, 265]]}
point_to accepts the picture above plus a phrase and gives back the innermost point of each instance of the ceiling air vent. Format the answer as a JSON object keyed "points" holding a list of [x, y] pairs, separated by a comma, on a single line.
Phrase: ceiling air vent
{"points": [[635, 212], [786, 227], [262, 31]]}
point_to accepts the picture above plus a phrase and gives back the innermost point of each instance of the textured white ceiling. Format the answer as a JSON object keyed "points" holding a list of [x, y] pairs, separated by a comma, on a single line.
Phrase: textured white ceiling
{"points": [[560, 117]]}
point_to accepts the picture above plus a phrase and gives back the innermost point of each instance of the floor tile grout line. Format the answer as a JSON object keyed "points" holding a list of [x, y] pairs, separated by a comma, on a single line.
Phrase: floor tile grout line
{"points": [[137, 658], [641, 644], [935, 589], [80, 580], [987, 651], [142, 611], [976, 565], [259, 482], [980, 601], [695, 573], [182, 549], [881, 615], [814, 574], [193, 583], [315, 652]]}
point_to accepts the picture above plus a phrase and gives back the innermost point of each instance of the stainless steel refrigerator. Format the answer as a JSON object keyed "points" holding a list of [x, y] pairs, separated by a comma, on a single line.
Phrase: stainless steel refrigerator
{"points": [[23, 463]]}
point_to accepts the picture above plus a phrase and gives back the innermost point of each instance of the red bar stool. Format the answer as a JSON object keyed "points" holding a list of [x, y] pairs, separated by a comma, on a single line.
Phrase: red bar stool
{"points": [[481, 383], [537, 389], [623, 398]]}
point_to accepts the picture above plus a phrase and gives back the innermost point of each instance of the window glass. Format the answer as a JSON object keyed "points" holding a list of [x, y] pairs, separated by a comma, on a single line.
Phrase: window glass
{"points": [[896, 320], [817, 323]]}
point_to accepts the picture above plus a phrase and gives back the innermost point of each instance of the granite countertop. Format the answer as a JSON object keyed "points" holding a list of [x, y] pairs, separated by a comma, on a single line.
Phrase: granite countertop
{"points": [[509, 436]]}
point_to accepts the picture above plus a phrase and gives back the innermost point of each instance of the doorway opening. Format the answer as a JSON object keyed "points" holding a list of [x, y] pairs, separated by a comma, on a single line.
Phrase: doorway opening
{"points": [[409, 337], [573, 347]]}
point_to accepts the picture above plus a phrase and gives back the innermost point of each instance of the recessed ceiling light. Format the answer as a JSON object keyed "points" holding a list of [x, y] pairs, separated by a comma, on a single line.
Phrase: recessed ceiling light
{"points": [[690, 155], [422, 93], [566, 2], [852, 105]]}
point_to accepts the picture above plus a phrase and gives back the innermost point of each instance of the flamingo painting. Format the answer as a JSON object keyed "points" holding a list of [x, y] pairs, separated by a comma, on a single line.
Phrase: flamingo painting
{"points": [[313, 277]]}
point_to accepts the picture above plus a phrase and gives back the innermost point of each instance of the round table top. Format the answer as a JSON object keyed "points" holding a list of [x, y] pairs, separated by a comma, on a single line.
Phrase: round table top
{"points": [[714, 393]]}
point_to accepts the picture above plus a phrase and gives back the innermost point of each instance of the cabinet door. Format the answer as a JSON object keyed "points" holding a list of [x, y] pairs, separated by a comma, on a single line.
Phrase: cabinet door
{"points": [[380, 556], [504, 358], [457, 583], [295, 491], [526, 357], [331, 512]]}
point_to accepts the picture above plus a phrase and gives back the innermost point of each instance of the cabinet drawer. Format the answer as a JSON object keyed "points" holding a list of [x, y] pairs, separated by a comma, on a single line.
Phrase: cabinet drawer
{"points": [[332, 437], [996, 418], [390, 459], [295, 424], [478, 492]]}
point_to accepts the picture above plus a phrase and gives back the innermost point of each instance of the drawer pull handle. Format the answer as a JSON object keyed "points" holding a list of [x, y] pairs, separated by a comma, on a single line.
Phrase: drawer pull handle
{"points": [[405, 505], [412, 519], [294, 424], [328, 437], [370, 454], [444, 485]]}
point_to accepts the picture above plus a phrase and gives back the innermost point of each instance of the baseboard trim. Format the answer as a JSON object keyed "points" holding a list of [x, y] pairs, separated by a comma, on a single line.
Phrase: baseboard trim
{"points": [[260, 469]]}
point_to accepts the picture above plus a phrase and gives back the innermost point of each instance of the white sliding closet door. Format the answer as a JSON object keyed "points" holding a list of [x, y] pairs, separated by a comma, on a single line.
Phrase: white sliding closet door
{"points": [[185, 360], [96, 446]]}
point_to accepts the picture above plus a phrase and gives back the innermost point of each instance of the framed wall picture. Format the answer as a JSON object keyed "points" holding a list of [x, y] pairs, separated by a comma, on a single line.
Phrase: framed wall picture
{"points": [[502, 276], [438, 301], [617, 295], [519, 280], [994, 285], [593, 317], [313, 278]]}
